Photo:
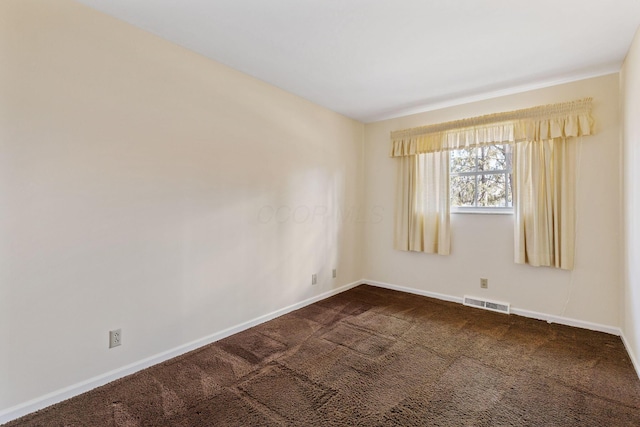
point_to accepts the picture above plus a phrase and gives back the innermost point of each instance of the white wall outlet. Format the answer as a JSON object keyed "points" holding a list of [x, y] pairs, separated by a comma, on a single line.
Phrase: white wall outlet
{"points": [[115, 338], [484, 283], [334, 273], [314, 279]]}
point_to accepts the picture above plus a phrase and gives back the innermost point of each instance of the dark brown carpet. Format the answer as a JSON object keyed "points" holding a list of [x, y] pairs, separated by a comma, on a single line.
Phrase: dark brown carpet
{"points": [[375, 357]]}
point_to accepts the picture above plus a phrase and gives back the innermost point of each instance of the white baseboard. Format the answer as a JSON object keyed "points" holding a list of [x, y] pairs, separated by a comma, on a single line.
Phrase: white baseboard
{"points": [[84, 386], [550, 318], [414, 291], [525, 313], [632, 356]]}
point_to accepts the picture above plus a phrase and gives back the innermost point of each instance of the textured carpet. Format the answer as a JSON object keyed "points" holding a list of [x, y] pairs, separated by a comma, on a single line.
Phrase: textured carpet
{"points": [[375, 357]]}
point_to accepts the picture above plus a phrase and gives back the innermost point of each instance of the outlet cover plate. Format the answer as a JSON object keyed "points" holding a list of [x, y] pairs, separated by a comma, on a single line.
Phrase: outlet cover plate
{"points": [[115, 338]]}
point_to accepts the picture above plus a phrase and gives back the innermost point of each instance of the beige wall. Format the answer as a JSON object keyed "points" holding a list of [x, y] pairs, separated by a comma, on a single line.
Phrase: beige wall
{"points": [[482, 245], [630, 79], [147, 188]]}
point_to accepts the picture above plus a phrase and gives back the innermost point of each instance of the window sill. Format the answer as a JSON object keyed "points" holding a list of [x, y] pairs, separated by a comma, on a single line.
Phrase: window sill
{"points": [[486, 211]]}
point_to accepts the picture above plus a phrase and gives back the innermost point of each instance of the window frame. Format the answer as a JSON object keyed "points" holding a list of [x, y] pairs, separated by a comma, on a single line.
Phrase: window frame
{"points": [[508, 174]]}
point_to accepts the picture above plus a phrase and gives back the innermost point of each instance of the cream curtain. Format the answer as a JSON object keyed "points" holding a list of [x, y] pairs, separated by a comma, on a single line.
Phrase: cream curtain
{"points": [[564, 120], [544, 178], [422, 204], [544, 200]]}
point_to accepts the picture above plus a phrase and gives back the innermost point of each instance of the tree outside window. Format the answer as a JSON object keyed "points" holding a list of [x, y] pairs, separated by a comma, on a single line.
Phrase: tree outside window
{"points": [[481, 178]]}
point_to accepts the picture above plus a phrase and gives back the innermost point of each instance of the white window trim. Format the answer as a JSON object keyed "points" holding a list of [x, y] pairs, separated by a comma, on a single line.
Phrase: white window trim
{"points": [[489, 210], [481, 211]]}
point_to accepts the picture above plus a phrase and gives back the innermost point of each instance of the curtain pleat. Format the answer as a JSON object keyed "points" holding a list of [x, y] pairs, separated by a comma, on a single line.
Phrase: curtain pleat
{"points": [[422, 204], [544, 202], [564, 120]]}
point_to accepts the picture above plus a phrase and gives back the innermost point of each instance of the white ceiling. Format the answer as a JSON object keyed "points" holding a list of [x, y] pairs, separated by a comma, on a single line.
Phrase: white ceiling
{"points": [[375, 59]]}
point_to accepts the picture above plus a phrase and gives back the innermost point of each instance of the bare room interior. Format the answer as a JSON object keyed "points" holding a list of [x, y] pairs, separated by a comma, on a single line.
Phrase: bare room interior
{"points": [[207, 213]]}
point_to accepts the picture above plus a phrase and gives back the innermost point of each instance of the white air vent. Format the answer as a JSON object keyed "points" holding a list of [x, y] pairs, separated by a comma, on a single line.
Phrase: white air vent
{"points": [[500, 307]]}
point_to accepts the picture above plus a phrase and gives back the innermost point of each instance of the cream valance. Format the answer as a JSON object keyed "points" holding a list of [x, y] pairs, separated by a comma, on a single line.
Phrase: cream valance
{"points": [[567, 119]]}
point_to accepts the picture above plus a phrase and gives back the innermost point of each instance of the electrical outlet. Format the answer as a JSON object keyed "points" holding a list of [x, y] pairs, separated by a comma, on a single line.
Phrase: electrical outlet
{"points": [[314, 279], [334, 273], [115, 338], [484, 283]]}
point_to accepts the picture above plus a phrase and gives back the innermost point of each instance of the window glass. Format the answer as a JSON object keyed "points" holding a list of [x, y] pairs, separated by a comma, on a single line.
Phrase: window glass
{"points": [[463, 161], [481, 178]]}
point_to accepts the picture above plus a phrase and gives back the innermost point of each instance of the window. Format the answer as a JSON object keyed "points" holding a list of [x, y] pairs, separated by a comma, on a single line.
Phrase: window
{"points": [[480, 179], [544, 141]]}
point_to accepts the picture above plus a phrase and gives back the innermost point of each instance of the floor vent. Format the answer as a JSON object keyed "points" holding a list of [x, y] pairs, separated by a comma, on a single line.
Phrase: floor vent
{"points": [[500, 307]]}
